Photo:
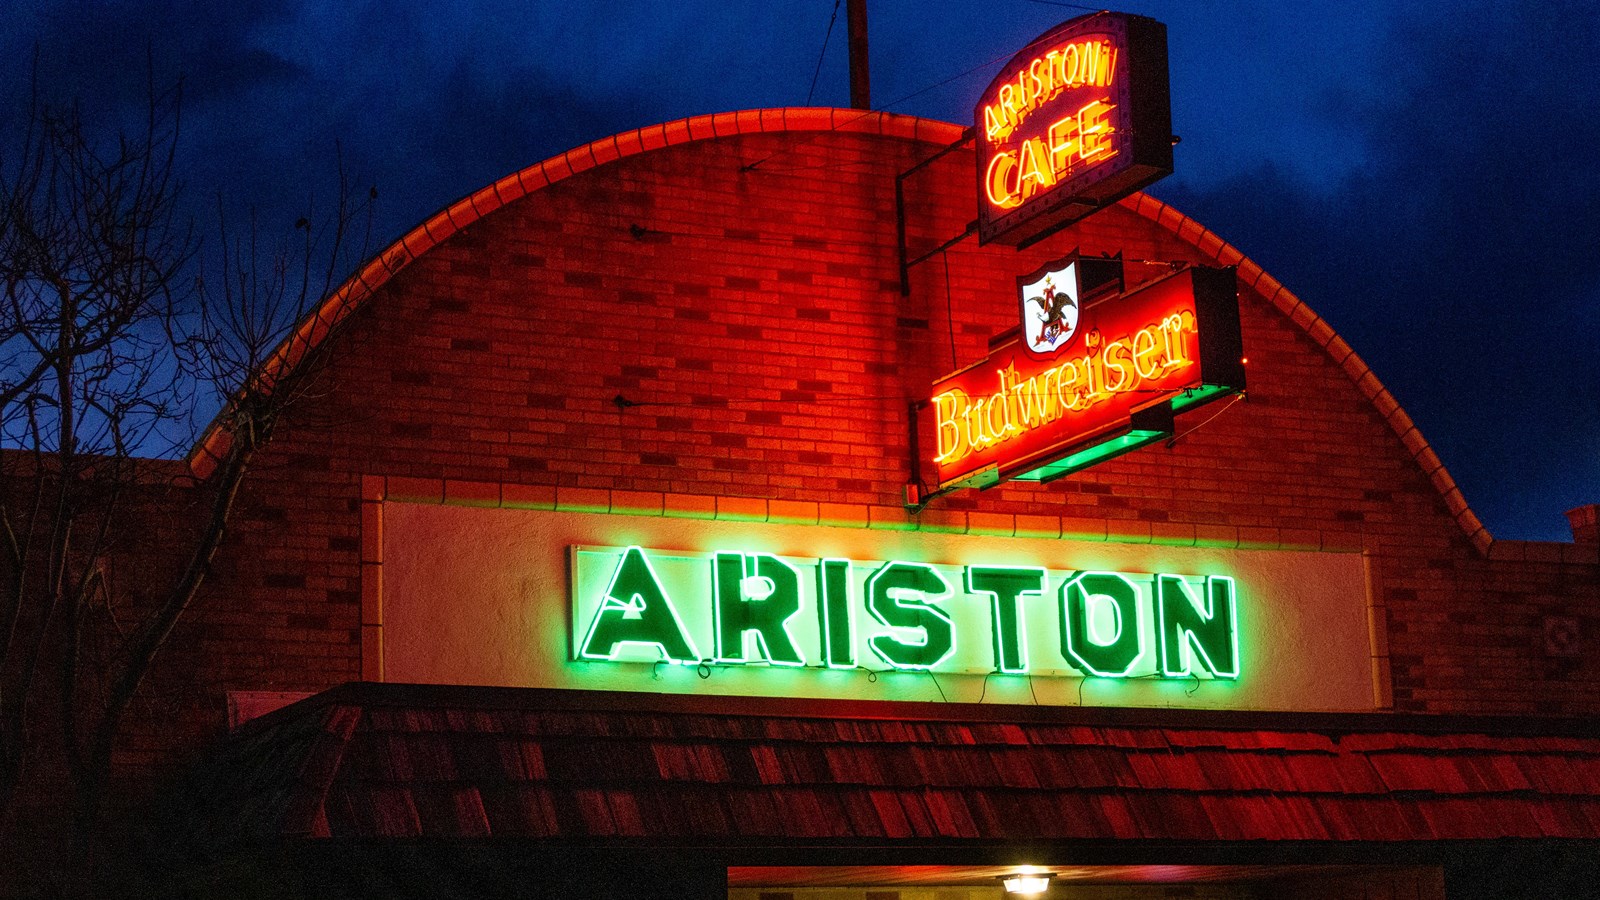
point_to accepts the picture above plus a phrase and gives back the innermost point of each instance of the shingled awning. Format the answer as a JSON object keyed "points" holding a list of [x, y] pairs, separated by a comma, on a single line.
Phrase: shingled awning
{"points": [[368, 761]]}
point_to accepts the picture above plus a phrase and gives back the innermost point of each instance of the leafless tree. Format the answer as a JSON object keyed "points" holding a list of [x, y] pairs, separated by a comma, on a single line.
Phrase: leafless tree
{"points": [[115, 328]]}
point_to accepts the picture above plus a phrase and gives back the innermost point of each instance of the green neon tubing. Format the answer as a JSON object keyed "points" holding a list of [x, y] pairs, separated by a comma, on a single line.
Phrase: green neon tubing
{"points": [[755, 594], [1113, 658], [904, 596], [636, 610], [1006, 586], [835, 617], [1203, 629]]}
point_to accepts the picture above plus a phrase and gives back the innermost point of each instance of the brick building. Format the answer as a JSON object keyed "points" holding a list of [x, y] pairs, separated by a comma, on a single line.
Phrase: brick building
{"points": [[692, 339]]}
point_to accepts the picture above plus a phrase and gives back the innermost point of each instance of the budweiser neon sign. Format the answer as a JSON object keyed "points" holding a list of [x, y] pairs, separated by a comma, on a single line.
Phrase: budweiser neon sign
{"points": [[1076, 120], [1039, 407], [1107, 369]]}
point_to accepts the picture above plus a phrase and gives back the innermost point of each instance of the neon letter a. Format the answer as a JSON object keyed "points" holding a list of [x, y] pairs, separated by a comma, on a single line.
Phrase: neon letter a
{"points": [[636, 611]]}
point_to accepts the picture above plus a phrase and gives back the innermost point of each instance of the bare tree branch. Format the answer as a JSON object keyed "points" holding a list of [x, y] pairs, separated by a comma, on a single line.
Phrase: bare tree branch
{"points": [[112, 330]]}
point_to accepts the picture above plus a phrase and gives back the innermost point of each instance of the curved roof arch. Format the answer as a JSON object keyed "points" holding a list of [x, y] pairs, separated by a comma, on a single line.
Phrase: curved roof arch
{"points": [[373, 275]]}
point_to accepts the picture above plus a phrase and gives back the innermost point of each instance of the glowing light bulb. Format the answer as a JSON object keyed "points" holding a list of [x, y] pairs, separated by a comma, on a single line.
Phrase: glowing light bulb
{"points": [[1029, 881]]}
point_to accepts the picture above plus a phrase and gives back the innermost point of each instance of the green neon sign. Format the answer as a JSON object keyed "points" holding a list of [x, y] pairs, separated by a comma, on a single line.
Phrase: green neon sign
{"points": [[836, 623], [755, 596], [1005, 587], [1198, 633], [1099, 623], [906, 599], [755, 610]]}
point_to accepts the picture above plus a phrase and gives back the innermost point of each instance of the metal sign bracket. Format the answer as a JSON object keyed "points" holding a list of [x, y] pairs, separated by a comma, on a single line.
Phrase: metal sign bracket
{"points": [[906, 262]]}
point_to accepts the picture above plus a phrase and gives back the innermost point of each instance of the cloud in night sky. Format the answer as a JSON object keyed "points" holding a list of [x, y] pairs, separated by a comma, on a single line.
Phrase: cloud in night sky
{"points": [[1461, 260], [1420, 175]]}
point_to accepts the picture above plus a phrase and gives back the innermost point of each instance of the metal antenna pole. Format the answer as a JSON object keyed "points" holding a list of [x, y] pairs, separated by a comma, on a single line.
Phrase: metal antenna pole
{"points": [[860, 80]]}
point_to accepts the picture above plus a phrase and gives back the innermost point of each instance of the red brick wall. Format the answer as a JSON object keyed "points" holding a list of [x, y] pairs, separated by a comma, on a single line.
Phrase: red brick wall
{"points": [[752, 319]]}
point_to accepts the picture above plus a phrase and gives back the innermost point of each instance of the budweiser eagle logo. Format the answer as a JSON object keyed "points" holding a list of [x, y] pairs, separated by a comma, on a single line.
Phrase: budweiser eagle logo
{"points": [[1050, 309]]}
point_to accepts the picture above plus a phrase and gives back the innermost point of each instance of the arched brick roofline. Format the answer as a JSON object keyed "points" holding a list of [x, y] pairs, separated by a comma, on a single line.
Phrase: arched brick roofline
{"points": [[434, 230], [1215, 248], [437, 228]]}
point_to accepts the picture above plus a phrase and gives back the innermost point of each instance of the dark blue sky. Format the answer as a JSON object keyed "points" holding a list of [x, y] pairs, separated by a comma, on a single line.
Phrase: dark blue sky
{"points": [[1421, 174]]}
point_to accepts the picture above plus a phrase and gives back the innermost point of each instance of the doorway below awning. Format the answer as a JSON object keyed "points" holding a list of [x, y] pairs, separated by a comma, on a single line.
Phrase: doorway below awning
{"points": [[1107, 882]]}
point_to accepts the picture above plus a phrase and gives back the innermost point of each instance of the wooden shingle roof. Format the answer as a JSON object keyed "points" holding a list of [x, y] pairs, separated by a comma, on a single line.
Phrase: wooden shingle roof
{"points": [[398, 761]]}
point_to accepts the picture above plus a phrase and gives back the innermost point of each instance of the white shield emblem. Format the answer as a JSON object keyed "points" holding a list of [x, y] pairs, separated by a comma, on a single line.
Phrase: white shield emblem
{"points": [[1050, 310]]}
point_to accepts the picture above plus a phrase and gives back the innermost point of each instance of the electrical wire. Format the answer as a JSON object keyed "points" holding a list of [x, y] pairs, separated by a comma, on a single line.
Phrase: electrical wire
{"points": [[640, 232], [825, 38], [722, 402], [747, 167], [1068, 5], [1178, 437], [719, 403], [949, 311]]}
